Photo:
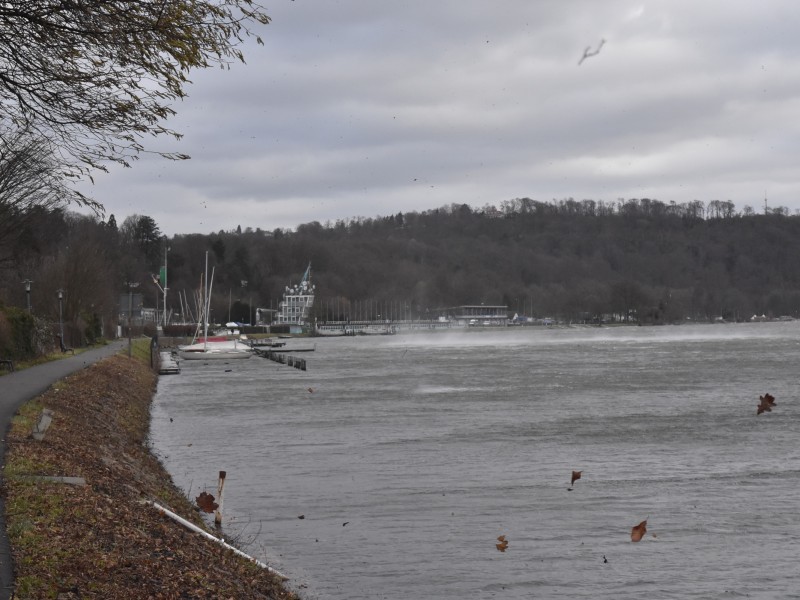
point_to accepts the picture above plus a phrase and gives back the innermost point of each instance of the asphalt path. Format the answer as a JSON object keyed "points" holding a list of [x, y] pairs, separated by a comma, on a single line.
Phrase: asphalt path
{"points": [[15, 390]]}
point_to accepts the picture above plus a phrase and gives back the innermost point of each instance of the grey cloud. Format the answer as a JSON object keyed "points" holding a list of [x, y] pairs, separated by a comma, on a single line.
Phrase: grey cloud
{"points": [[358, 109]]}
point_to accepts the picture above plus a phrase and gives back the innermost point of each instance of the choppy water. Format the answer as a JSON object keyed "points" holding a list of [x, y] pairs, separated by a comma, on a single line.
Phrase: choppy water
{"points": [[431, 446]]}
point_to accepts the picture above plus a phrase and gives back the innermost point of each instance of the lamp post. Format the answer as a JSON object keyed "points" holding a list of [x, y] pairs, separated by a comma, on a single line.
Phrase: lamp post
{"points": [[28, 283], [60, 293], [131, 285], [244, 285]]}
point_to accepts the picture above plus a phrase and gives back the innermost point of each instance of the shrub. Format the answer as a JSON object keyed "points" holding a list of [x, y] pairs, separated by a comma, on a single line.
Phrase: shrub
{"points": [[17, 333]]}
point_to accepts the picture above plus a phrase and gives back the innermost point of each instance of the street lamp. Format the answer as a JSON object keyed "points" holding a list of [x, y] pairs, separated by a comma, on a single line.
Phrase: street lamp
{"points": [[131, 285], [249, 304], [28, 283], [60, 293]]}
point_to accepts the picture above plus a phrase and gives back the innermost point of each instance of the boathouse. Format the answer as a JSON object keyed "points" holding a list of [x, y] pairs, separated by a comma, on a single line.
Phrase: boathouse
{"points": [[481, 315]]}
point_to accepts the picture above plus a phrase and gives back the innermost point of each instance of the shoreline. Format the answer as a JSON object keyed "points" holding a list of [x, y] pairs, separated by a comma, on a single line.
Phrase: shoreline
{"points": [[76, 501]]}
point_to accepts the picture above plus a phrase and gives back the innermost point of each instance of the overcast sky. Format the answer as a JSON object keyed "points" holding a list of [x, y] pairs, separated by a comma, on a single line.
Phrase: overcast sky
{"points": [[365, 108]]}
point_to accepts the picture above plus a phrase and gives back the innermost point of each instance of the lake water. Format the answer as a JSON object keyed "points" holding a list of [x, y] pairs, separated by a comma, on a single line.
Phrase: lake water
{"points": [[409, 455]]}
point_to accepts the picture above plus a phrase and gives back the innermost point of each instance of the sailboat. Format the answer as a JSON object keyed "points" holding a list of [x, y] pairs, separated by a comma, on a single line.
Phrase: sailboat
{"points": [[213, 349]]}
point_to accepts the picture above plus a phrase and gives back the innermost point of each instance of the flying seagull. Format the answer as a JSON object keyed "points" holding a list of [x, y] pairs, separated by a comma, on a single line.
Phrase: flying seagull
{"points": [[589, 52]]}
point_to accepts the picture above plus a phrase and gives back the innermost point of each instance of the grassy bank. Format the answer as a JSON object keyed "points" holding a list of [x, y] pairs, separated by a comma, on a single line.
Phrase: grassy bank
{"points": [[99, 539]]}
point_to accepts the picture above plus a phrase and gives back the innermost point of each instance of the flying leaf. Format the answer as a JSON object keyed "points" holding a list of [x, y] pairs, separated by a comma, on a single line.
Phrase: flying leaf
{"points": [[638, 531], [575, 476], [503, 543], [767, 401], [206, 502]]}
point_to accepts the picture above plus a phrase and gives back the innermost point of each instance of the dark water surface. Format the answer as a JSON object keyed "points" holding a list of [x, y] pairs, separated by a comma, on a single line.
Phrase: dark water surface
{"points": [[431, 446]]}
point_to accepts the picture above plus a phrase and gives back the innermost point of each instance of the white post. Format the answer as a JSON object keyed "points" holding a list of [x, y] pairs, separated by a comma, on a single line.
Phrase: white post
{"points": [[220, 489]]}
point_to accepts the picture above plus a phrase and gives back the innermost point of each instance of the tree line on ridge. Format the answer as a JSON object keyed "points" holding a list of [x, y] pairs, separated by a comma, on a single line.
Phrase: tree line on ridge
{"points": [[638, 260]]}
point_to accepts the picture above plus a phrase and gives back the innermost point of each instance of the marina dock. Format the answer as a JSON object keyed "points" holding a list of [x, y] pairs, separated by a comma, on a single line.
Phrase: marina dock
{"points": [[167, 365], [282, 358]]}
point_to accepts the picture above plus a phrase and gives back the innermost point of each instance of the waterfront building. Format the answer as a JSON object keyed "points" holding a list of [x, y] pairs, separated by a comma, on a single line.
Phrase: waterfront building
{"points": [[295, 308], [479, 315]]}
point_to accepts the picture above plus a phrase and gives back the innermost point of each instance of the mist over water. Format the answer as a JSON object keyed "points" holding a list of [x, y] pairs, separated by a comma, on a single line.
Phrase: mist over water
{"points": [[429, 446]]}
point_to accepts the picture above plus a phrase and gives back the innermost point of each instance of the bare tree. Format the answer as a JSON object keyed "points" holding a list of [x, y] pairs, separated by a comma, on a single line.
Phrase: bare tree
{"points": [[30, 178], [97, 76]]}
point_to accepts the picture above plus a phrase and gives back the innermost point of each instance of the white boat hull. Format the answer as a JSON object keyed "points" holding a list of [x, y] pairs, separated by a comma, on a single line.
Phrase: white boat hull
{"points": [[215, 351], [213, 354]]}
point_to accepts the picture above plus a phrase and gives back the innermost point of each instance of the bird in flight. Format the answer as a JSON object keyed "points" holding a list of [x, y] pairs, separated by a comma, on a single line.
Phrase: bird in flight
{"points": [[589, 52]]}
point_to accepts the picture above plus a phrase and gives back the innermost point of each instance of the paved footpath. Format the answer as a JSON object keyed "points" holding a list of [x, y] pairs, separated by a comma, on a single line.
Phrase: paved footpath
{"points": [[17, 388]]}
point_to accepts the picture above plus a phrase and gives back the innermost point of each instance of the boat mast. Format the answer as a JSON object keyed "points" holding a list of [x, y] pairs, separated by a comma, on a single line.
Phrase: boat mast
{"points": [[164, 283], [205, 308]]}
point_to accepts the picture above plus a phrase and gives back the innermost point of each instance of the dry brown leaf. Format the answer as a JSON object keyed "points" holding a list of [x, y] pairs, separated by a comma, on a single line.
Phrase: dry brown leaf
{"points": [[638, 531], [205, 502], [767, 401]]}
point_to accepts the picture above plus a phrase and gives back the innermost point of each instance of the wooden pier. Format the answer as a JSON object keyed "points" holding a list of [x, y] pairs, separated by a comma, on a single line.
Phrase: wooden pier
{"points": [[282, 358], [270, 344], [167, 365], [265, 342]]}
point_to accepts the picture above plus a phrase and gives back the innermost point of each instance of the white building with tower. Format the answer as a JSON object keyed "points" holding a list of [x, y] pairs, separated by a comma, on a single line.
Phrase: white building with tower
{"points": [[298, 300]]}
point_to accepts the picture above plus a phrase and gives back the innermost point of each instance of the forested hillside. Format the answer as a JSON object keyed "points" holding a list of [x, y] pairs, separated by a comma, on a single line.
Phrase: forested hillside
{"points": [[641, 259]]}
